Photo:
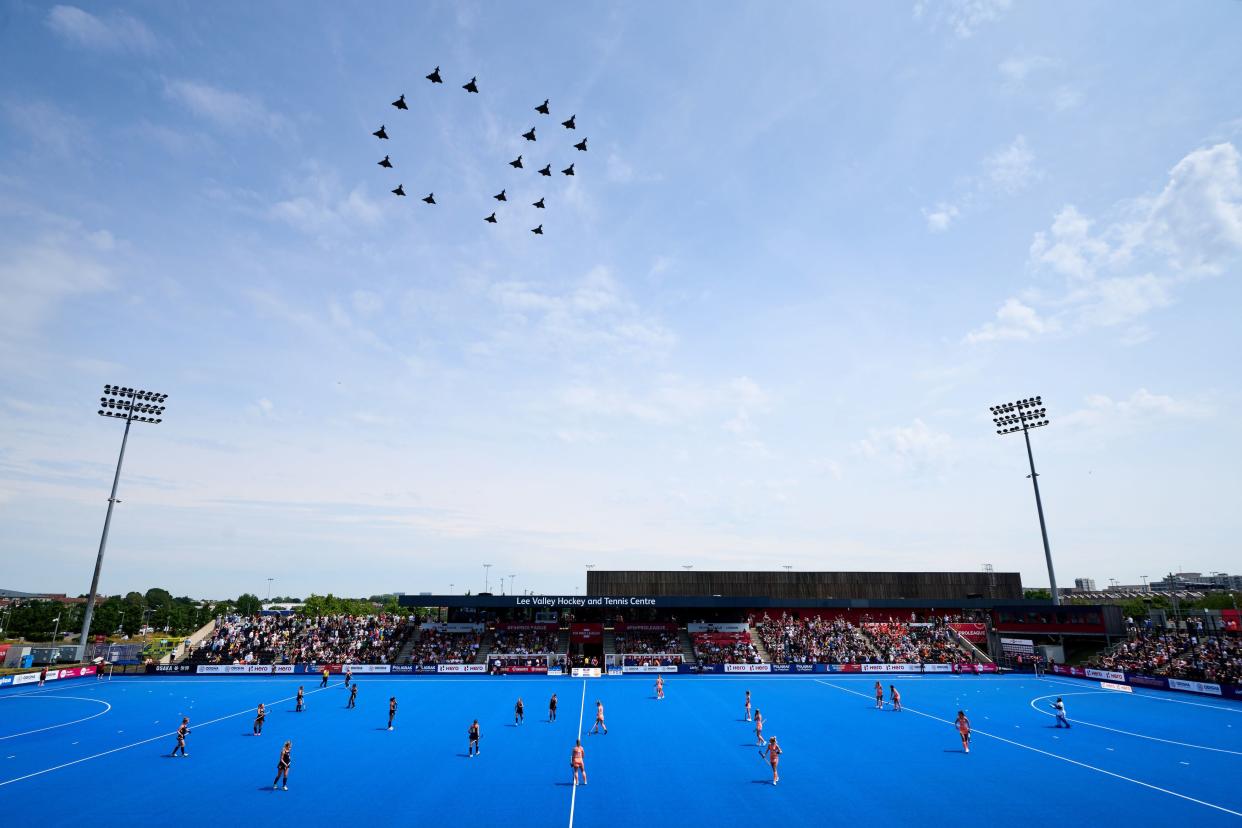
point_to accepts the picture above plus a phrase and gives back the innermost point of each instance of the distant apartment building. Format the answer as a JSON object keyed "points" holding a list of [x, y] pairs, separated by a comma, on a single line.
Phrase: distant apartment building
{"points": [[1084, 584]]}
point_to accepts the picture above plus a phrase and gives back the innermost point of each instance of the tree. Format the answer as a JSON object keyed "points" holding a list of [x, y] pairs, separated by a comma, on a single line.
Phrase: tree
{"points": [[1037, 594], [248, 604]]}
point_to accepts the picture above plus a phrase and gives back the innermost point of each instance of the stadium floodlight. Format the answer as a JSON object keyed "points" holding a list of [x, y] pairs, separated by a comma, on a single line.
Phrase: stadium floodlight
{"points": [[1024, 415], [133, 405], [487, 572]]}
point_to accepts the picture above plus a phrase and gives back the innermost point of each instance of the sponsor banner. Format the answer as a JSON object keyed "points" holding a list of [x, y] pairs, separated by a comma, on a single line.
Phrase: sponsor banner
{"points": [[511, 627], [522, 668], [25, 678], [748, 668], [622, 627], [1108, 685], [283, 669], [233, 669], [5, 681], [461, 668], [555, 671], [659, 668], [585, 672], [781, 668], [974, 633], [170, 668], [1195, 687], [807, 668], [717, 628], [403, 668], [891, 668], [1140, 680], [700, 668], [367, 668], [937, 668], [4, 650], [1105, 675]]}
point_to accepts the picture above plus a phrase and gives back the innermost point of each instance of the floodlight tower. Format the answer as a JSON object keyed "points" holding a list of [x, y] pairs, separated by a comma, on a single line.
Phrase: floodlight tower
{"points": [[133, 405], [1023, 415]]}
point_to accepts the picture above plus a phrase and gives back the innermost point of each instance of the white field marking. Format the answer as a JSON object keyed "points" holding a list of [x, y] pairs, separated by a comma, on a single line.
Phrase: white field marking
{"points": [[1056, 756], [136, 744], [107, 707], [1137, 695], [573, 797], [1118, 730]]}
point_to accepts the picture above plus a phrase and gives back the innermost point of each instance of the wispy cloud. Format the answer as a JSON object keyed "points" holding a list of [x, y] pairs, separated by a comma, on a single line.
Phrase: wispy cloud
{"points": [[912, 448], [1137, 262], [1141, 407], [37, 277], [1006, 171], [964, 17], [228, 110], [1011, 169], [116, 32], [594, 311]]}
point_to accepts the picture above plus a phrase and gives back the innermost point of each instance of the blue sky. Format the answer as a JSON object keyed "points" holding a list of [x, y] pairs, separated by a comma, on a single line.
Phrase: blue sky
{"points": [[809, 245]]}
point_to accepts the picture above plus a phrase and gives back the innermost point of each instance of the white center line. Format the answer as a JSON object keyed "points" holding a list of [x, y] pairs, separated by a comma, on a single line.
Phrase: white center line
{"points": [[573, 798]]}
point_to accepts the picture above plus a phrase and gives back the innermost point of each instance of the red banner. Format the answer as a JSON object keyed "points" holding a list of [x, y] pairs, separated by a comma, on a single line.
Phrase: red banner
{"points": [[621, 627], [586, 633], [1230, 619], [974, 633], [502, 626]]}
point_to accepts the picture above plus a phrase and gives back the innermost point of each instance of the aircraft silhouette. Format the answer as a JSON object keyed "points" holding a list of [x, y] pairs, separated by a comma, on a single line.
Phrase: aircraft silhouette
{"points": [[471, 87], [581, 145], [546, 170], [538, 231], [538, 204], [385, 163], [570, 123], [399, 103], [529, 136], [542, 109], [500, 196], [568, 170], [400, 190], [431, 198], [516, 163], [434, 77], [491, 219], [380, 134]]}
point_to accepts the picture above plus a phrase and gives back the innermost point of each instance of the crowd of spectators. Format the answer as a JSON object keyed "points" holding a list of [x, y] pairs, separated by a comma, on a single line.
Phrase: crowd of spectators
{"points": [[790, 639], [642, 642], [1194, 656], [524, 642], [900, 643], [439, 647], [725, 648], [292, 639]]}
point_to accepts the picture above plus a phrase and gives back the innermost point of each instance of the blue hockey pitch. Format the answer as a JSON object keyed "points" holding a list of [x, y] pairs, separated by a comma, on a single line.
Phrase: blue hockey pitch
{"points": [[99, 751]]}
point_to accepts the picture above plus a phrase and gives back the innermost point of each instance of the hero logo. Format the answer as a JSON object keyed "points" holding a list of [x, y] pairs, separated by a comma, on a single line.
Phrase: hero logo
{"points": [[1105, 675], [748, 668]]}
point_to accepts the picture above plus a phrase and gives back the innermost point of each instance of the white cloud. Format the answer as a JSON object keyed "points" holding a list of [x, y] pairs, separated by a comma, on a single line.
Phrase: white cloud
{"points": [[231, 111], [593, 311], [964, 17], [118, 32], [1014, 320], [618, 170], [49, 128], [1066, 97], [673, 400], [940, 217], [319, 205], [366, 302], [1012, 168], [1137, 262], [1016, 70], [1006, 171], [915, 447], [36, 278], [1142, 406]]}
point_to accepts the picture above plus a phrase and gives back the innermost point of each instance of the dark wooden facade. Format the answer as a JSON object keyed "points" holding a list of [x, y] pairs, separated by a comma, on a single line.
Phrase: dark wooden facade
{"points": [[794, 586]]}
